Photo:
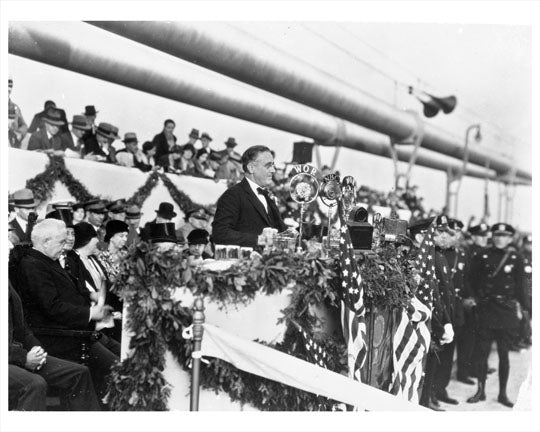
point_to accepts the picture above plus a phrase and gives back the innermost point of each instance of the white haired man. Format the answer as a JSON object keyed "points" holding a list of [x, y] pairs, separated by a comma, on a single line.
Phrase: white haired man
{"points": [[53, 299]]}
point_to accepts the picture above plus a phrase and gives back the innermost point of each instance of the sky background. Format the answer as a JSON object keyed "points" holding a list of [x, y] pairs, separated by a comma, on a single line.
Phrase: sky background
{"points": [[486, 66]]}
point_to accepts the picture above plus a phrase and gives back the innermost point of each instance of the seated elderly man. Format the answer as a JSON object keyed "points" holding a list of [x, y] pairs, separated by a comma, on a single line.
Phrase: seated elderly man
{"points": [[53, 299], [32, 371]]}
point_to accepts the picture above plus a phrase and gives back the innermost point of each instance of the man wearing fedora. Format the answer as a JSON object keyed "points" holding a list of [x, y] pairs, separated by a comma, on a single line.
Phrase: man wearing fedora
{"points": [[38, 120], [164, 141], [205, 143], [99, 147], [164, 214], [497, 279], [95, 216], [133, 219], [193, 137], [73, 140], [25, 216], [47, 138], [131, 155], [245, 209]]}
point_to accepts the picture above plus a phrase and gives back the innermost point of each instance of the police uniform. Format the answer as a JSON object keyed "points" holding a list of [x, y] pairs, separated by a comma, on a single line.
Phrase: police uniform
{"points": [[450, 303], [466, 335], [439, 318], [497, 279], [525, 330]]}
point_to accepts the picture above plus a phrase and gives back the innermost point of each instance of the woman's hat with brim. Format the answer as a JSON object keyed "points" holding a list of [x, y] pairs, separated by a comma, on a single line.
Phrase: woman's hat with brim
{"points": [[114, 227], [84, 232], [198, 236], [162, 232]]}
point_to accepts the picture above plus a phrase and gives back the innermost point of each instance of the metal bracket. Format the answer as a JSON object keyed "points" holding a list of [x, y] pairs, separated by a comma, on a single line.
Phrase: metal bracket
{"points": [[415, 139]]}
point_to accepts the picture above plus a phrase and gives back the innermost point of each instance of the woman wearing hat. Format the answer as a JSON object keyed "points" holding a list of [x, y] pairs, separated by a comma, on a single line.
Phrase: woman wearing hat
{"points": [[84, 266], [116, 234]]}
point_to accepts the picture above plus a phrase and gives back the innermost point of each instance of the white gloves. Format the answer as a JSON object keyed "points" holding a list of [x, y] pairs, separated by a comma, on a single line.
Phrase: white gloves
{"points": [[448, 335]]}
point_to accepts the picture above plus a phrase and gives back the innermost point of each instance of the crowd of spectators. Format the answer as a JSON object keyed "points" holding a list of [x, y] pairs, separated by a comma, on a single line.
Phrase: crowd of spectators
{"points": [[83, 137]]}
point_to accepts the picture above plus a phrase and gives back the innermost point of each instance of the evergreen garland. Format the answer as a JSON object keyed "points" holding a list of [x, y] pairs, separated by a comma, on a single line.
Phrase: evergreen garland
{"points": [[42, 185], [141, 194], [184, 201]]}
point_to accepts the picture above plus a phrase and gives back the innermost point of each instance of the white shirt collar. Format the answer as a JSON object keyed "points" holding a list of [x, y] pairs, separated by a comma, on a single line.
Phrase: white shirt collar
{"points": [[254, 186], [22, 222]]}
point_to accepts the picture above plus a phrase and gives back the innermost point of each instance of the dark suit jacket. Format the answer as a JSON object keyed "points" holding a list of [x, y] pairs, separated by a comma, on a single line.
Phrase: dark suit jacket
{"points": [[67, 142], [91, 145], [240, 217], [162, 146], [21, 338], [18, 231], [52, 298], [40, 141]]}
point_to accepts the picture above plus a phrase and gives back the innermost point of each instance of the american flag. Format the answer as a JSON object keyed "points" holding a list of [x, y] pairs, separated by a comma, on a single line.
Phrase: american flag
{"points": [[316, 353], [412, 338], [352, 304]]}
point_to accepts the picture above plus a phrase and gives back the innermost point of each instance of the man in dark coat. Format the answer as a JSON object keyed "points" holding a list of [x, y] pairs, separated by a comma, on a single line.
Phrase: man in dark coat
{"points": [[450, 270], [498, 281], [441, 323], [245, 209], [37, 121], [53, 299], [99, 147], [467, 337], [74, 139], [32, 371], [164, 141], [25, 205], [48, 137]]}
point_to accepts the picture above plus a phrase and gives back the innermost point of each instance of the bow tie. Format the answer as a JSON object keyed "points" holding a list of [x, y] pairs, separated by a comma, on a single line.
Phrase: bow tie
{"points": [[262, 191]]}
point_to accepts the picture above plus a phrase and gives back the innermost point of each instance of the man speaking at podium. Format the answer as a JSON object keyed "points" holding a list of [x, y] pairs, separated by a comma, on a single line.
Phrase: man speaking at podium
{"points": [[245, 209]]}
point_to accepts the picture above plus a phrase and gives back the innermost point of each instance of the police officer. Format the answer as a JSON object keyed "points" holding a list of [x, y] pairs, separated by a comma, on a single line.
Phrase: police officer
{"points": [[441, 327], [465, 339], [497, 280], [446, 263], [526, 252]]}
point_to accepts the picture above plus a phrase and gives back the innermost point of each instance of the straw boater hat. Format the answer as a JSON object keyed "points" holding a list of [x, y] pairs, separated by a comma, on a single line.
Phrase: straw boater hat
{"points": [[107, 130]]}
